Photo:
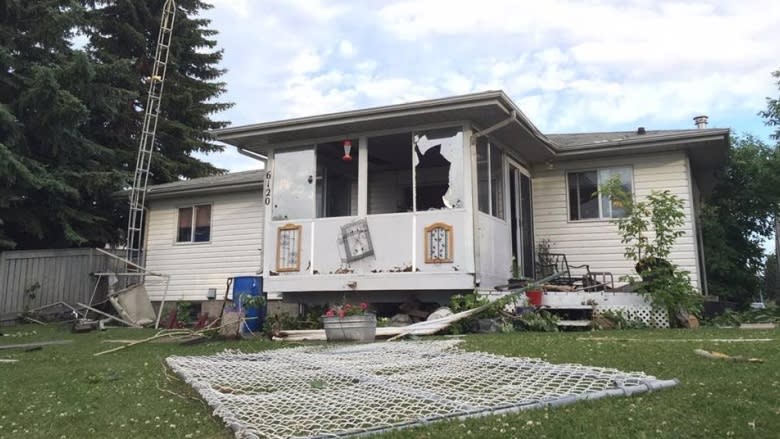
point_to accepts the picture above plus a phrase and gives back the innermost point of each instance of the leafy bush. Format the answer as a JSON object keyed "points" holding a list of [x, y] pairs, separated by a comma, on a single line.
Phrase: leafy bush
{"points": [[665, 284], [540, 320], [249, 301], [734, 318]]}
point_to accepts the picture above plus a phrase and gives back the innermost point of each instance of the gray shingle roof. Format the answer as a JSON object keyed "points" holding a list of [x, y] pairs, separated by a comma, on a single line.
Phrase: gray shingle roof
{"points": [[225, 181], [582, 140]]}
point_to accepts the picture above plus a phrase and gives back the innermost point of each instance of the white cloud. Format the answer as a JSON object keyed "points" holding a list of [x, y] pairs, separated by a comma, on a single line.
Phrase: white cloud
{"points": [[346, 49], [570, 66]]}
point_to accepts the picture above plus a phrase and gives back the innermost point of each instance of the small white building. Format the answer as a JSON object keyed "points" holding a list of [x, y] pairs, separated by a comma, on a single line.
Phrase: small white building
{"points": [[426, 198]]}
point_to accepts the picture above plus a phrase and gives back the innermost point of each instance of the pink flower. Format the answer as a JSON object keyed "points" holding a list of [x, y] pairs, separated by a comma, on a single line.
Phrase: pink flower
{"points": [[363, 306], [330, 313], [341, 313]]}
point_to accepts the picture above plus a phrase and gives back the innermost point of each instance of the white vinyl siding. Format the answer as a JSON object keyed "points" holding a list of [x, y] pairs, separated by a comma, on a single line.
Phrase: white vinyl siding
{"points": [[236, 237], [596, 242]]}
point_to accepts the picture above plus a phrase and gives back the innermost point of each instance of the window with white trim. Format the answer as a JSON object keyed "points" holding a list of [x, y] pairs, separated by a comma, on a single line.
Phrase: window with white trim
{"points": [[490, 178], [194, 224], [585, 202]]}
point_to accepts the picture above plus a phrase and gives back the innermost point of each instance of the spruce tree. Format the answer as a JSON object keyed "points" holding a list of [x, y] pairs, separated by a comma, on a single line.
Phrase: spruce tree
{"points": [[123, 38], [70, 117], [49, 168]]}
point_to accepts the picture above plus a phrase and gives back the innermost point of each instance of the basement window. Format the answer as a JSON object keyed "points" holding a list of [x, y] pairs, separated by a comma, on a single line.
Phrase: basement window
{"points": [[584, 200], [200, 217]]}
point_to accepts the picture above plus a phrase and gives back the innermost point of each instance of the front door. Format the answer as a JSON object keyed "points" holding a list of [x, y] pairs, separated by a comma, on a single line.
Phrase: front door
{"points": [[521, 219]]}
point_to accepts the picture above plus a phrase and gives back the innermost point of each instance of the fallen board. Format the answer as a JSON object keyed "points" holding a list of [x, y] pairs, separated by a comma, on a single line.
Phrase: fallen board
{"points": [[355, 389], [34, 345]]}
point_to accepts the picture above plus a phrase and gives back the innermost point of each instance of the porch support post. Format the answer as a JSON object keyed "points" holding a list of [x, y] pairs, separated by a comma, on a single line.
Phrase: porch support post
{"points": [[362, 210], [472, 136], [269, 238]]}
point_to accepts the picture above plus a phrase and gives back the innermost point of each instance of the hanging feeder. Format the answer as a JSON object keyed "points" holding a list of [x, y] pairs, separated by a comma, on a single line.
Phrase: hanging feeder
{"points": [[347, 150]]}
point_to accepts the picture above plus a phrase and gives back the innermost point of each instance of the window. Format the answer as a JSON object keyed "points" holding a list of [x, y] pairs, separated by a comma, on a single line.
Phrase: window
{"points": [[200, 216], [490, 178], [390, 173], [584, 200], [438, 243], [293, 184], [337, 179], [438, 164]]}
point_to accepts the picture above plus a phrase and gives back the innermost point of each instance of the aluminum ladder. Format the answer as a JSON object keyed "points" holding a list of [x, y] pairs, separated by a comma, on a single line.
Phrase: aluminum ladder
{"points": [[135, 219]]}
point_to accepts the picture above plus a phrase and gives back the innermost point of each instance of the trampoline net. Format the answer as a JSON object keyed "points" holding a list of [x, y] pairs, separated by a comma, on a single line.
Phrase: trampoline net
{"points": [[325, 391]]}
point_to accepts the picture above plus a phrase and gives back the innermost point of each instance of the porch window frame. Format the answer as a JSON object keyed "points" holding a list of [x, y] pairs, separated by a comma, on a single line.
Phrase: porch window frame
{"points": [[194, 207], [362, 199], [503, 183], [598, 170]]}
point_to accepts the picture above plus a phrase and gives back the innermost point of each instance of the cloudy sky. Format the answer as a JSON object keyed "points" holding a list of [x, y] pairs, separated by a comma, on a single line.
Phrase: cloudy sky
{"points": [[570, 66]]}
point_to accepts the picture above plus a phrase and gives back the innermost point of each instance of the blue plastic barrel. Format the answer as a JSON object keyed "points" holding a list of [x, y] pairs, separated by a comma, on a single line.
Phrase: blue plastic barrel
{"points": [[253, 286]]}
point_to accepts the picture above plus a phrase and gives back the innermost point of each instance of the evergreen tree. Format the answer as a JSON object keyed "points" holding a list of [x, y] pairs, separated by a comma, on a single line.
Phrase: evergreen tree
{"points": [[70, 119], [48, 167], [123, 38]]}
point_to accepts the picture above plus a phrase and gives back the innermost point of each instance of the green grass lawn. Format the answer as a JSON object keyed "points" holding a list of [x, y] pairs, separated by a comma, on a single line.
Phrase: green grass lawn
{"points": [[63, 391]]}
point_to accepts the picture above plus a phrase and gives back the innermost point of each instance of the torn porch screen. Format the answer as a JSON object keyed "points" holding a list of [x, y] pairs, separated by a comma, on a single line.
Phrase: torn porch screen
{"points": [[351, 390], [438, 162], [293, 185]]}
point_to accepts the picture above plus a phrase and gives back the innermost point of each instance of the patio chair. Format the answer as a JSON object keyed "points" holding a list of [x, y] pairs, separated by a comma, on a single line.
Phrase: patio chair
{"points": [[549, 263]]}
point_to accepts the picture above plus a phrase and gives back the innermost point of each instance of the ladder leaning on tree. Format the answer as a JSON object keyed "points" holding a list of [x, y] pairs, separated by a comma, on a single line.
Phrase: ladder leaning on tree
{"points": [[135, 219]]}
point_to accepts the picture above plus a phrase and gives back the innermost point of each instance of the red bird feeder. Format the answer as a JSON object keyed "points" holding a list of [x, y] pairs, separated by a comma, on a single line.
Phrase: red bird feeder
{"points": [[347, 149]]}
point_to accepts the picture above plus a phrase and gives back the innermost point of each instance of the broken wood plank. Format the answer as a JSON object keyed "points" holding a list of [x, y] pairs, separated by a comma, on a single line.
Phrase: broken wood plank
{"points": [[721, 356], [34, 345], [8, 360], [28, 318]]}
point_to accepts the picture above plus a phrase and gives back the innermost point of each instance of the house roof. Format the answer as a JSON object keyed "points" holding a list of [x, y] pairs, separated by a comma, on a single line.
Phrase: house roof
{"points": [[573, 141], [483, 110], [490, 111], [234, 181]]}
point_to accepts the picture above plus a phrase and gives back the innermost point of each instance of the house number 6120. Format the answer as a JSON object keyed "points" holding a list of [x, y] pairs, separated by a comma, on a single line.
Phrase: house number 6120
{"points": [[267, 194]]}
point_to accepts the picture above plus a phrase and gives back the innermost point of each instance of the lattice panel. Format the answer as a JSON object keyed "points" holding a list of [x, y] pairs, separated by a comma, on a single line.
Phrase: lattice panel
{"points": [[643, 313], [315, 391]]}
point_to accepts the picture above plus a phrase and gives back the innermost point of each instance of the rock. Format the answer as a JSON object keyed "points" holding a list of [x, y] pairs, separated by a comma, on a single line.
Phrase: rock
{"points": [[488, 326], [440, 313], [400, 320]]}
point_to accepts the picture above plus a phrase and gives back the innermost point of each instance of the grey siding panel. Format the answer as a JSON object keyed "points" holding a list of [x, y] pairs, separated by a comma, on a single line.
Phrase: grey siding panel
{"points": [[596, 242], [63, 275]]}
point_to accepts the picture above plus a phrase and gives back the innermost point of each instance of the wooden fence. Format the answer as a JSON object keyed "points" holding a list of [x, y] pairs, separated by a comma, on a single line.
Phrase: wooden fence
{"points": [[32, 278]]}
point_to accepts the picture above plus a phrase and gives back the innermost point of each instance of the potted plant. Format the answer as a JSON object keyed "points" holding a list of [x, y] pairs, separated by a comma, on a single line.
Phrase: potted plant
{"points": [[254, 310], [348, 322]]}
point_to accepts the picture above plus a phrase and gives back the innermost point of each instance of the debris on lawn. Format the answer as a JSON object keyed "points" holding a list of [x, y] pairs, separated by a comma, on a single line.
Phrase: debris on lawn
{"points": [[721, 356], [758, 326], [34, 345], [19, 334], [731, 318], [317, 391], [8, 360], [134, 305], [682, 340]]}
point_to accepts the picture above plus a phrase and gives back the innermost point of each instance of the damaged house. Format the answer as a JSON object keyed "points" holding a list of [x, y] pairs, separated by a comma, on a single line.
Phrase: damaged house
{"points": [[426, 198]]}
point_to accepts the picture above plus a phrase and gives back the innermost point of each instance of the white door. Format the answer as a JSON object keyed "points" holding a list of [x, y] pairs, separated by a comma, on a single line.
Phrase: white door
{"points": [[521, 219]]}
